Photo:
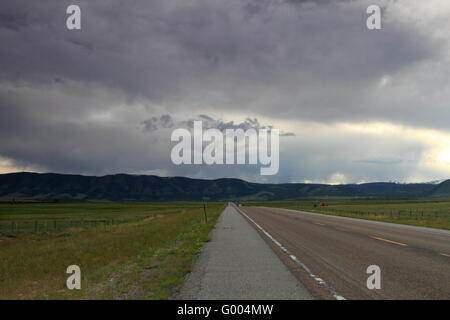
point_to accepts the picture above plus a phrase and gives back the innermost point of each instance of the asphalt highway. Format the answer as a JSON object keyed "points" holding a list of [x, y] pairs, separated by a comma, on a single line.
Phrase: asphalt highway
{"points": [[330, 255]]}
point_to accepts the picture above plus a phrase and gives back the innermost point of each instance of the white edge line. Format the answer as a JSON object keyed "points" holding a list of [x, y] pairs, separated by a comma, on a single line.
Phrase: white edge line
{"points": [[295, 259]]}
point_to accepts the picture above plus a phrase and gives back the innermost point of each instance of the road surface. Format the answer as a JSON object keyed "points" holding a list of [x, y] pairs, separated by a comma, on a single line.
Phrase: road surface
{"points": [[238, 264], [330, 255]]}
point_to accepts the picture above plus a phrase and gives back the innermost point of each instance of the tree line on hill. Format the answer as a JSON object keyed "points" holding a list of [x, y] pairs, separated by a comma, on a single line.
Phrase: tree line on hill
{"points": [[51, 187]]}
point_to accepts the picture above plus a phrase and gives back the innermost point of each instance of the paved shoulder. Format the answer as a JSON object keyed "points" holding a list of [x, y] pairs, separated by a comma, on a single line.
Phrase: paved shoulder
{"points": [[238, 264]]}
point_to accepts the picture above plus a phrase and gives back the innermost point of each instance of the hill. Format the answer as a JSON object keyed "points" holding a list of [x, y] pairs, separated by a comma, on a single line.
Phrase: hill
{"points": [[441, 190], [125, 187]]}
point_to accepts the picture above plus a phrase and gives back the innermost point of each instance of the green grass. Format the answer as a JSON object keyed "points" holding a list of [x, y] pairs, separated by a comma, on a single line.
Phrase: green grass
{"points": [[142, 259], [426, 213], [37, 217]]}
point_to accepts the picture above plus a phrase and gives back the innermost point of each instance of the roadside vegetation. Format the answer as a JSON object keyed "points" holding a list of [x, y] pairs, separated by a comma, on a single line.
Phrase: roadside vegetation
{"points": [[144, 254], [425, 213]]}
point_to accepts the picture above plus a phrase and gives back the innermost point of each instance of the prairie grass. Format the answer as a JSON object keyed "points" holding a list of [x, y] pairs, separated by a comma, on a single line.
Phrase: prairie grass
{"points": [[144, 259]]}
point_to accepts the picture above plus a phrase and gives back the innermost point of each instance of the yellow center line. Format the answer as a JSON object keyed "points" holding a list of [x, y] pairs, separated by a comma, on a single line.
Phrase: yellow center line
{"points": [[320, 224], [444, 254], [390, 241]]}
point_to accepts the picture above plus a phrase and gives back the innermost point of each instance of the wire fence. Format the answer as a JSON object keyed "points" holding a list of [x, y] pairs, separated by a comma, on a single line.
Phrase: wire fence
{"points": [[394, 214], [11, 228]]}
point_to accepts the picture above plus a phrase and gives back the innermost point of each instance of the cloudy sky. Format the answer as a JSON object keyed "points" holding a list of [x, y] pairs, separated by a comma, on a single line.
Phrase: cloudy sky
{"points": [[354, 105]]}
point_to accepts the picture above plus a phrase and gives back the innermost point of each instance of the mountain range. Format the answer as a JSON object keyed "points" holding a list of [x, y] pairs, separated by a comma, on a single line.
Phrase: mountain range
{"points": [[125, 187]]}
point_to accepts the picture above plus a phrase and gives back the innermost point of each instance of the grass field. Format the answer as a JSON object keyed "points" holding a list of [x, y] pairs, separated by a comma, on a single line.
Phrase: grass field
{"points": [[426, 213], [44, 217], [144, 254]]}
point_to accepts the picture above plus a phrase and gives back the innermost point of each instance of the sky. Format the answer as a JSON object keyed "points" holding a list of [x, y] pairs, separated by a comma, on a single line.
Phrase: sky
{"points": [[353, 105]]}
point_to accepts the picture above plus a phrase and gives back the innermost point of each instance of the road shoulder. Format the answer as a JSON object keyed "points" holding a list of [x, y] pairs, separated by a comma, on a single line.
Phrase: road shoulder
{"points": [[238, 264]]}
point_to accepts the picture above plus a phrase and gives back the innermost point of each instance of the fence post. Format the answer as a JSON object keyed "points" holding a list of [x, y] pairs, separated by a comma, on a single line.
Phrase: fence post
{"points": [[204, 210]]}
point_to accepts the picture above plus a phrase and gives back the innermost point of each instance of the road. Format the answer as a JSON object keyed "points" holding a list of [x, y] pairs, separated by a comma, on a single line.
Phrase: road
{"points": [[330, 254], [238, 264]]}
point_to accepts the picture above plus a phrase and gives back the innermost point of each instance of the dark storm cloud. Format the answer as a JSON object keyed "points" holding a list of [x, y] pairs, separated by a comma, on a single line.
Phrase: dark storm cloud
{"points": [[164, 49], [12, 22], [104, 99]]}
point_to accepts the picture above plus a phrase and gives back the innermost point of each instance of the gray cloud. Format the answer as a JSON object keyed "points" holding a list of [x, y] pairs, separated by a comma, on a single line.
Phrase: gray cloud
{"points": [[208, 122], [105, 98], [154, 123]]}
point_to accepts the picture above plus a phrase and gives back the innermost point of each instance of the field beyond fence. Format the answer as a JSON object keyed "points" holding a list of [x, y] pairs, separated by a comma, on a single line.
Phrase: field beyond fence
{"points": [[56, 217], [426, 213], [124, 250]]}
